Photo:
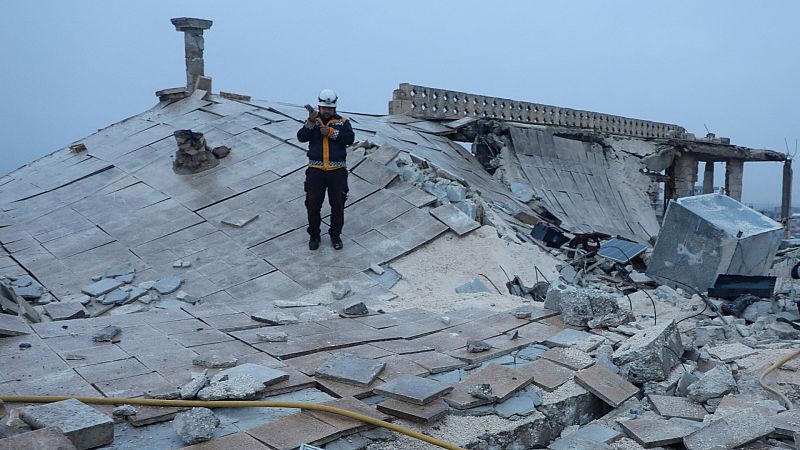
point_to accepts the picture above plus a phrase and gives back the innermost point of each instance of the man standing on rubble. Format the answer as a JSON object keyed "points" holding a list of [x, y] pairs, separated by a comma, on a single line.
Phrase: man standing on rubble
{"points": [[328, 135]]}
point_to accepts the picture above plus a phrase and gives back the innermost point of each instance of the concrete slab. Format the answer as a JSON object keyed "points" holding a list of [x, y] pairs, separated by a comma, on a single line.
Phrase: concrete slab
{"points": [[786, 423], [82, 424], [147, 415], [436, 362], [50, 438], [455, 219], [413, 389], [547, 374], [431, 412], [602, 382], [101, 287], [65, 310], [729, 431], [655, 432], [504, 382], [13, 325], [731, 352], [288, 433], [679, 407], [350, 369], [569, 357]]}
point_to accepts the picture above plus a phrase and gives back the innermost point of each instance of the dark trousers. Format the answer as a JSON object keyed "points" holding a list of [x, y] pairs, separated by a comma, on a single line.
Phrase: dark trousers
{"points": [[317, 182]]}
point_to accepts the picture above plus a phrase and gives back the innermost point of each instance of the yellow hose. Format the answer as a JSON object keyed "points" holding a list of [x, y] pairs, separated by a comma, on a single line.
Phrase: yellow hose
{"points": [[786, 402], [236, 404]]}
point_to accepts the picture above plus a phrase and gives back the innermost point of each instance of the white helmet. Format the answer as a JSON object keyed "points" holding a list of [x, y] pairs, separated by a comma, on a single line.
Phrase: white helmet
{"points": [[327, 98]]}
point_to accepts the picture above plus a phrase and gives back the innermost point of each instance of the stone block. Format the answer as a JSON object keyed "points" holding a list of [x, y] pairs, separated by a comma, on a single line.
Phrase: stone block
{"points": [[431, 412], [168, 285], [729, 431], [650, 354], [50, 438], [13, 325], [195, 425], [569, 357], [656, 432], [582, 306], [679, 407], [570, 405], [731, 352], [350, 369], [610, 387], [712, 384], [413, 389], [82, 424], [65, 310], [101, 287]]}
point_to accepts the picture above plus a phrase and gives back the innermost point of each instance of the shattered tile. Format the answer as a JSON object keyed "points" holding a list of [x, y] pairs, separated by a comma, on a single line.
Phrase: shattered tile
{"points": [[731, 352], [655, 432], [610, 387], [13, 325], [431, 412], [413, 389], [547, 374], [569, 357], [680, 407], [348, 368]]}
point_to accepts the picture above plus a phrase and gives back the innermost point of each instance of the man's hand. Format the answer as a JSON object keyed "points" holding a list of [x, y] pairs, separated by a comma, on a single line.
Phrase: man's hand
{"points": [[312, 113], [324, 130]]}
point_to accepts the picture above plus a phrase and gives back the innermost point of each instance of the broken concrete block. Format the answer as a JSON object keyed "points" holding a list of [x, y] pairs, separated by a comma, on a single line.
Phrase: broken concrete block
{"points": [[168, 285], [28, 292], [431, 412], [712, 384], [185, 297], [82, 424], [580, 307], [569, 338], [679, 407], [472, 287], [163, 392], [729, 431], [214, 360], [275, 336], [355, 308], [101, 287], [476, 346], [522, 403], [80, 298], [106, 334], [241, 382], [377, 269], [455, 219], [239, 220], [350, 369], [273, 317], [340, 289], [191, 388], [650, 354], [50, 438], [570, 404], [731, 352], [195, 425], [123, 411], [590, 437], [413, 389], [13, 325], [115, 297], [726, 238], [65, 310]]}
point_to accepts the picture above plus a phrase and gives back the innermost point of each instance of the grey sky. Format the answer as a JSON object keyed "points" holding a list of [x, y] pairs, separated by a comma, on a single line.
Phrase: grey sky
{"points": [[70, 68]]}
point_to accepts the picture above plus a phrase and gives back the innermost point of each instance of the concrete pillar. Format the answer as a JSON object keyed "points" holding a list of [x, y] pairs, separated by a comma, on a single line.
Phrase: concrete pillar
{"points": [[708, 178], [684, 174], [734, 170], [193, 42], [786, 197]]}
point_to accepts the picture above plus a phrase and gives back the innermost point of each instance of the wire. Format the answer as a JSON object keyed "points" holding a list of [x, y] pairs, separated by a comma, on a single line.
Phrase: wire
{"points": [[490, 281], [238, 404]]}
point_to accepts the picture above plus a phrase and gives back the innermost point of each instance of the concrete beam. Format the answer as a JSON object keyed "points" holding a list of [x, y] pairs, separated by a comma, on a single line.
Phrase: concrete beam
{"points": [[786, 197], [194, 45], [685, 174], [708, 178]]}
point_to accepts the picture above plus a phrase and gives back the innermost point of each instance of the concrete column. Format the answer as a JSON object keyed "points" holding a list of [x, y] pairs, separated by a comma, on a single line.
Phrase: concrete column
{"points": [[734, 170], [708, 178], [193, 42], [685, 174], [786, 197]]}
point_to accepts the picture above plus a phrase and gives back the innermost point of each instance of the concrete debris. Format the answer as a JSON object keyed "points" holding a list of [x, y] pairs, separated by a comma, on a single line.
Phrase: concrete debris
{"points": [[193, 154], [355, 308], [729, 431], [650, 354], [65, 310], [107, 334], [182, 264], [168, 285], [186, 298], [377, 269], [294, 303], [241, 382], [273, 317], [713, 384], [191, 388], [340, 289], [13, 325], [115, 297], [275, 336], [350, 369], [482, 391], [50, 438], [124, 411], [591, 307], [82, 424], [471, 287], [476, 346], [214, 360], [196, 425], [101, 287]]}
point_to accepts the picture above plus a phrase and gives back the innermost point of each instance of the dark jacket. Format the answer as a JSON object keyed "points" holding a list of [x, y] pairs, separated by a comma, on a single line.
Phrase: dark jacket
{"points": [[327, 152]]}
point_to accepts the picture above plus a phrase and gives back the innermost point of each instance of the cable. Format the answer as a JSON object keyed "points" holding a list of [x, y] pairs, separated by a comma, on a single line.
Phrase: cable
{"points": [[786, 402], [490, 281], [236, 404]]}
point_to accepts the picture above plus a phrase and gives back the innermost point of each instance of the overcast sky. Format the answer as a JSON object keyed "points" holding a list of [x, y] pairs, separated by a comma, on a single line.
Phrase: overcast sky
{"points": [[69, 68]]}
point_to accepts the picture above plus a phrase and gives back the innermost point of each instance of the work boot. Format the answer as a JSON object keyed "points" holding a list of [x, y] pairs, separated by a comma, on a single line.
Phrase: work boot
{"points": [[313, 243], [336, 241]]}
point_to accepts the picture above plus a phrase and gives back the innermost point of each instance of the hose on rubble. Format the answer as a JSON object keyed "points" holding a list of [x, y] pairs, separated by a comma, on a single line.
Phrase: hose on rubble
{"points": [[786, 402], [237, 404]]}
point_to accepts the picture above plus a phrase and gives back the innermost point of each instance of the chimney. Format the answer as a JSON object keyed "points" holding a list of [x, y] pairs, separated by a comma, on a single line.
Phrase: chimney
{"points": [[193, 40]]}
